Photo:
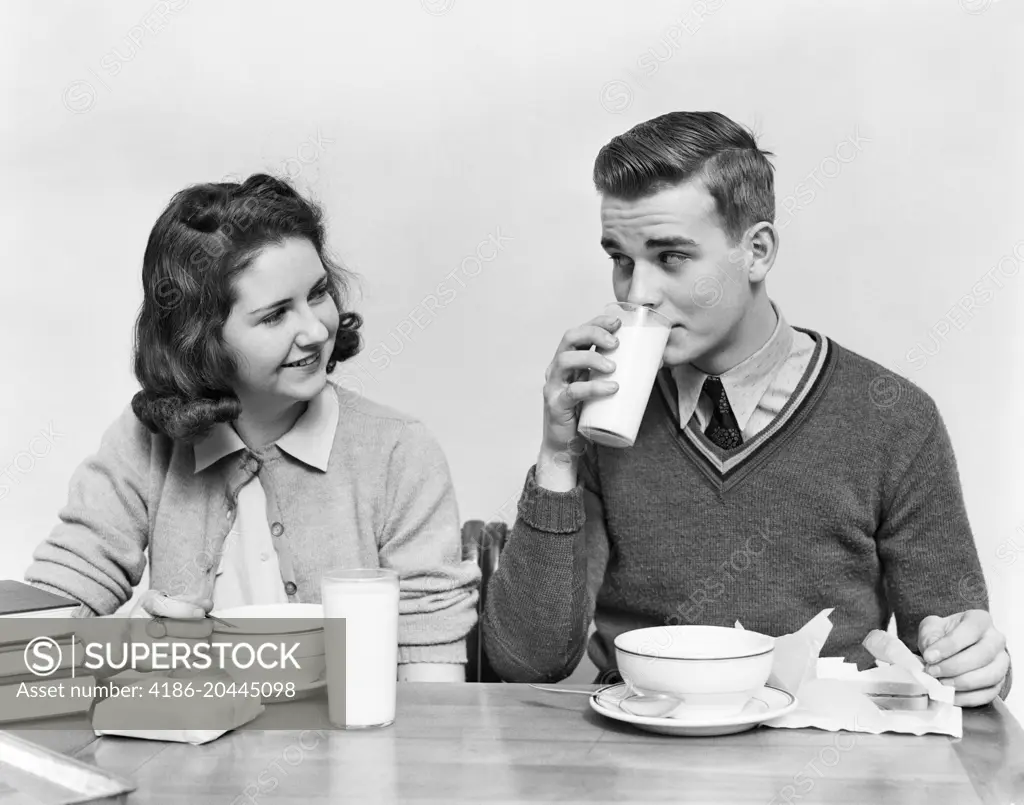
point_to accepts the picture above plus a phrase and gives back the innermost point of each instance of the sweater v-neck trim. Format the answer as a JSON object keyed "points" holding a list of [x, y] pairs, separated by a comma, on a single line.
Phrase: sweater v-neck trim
{"points": [[726, 468]]}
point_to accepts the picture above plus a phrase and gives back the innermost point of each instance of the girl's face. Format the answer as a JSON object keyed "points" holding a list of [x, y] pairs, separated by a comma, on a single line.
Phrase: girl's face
{"points": [[282, 326]]}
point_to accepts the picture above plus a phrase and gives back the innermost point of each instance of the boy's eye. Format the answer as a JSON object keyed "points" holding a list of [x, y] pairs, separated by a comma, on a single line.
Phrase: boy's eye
{"points": [[674, 258], [621, 261]]}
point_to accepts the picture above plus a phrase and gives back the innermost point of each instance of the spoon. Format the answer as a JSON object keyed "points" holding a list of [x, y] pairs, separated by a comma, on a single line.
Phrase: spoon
{"points": [[157, 629], [634, 704], [553, 689]]}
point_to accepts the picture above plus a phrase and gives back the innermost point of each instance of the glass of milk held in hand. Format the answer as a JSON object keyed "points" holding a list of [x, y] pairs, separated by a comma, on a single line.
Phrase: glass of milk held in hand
{"points": [[614, 421]]}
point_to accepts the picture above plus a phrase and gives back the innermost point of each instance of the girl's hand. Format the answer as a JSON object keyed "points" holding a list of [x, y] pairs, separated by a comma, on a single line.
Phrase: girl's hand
{"points": [[159, 618]]}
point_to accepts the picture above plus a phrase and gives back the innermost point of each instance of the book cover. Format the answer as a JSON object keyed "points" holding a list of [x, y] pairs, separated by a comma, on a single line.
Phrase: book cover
{"points": [[13, 661], [66, 673], [18, 599], [28, 701]]}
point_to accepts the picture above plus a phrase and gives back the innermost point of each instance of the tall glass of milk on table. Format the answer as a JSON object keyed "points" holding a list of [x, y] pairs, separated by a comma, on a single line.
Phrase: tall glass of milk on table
{"points": [[362, 649], [614, 421]]}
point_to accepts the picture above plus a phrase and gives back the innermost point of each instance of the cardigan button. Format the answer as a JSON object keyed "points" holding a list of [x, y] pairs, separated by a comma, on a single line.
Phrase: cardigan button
{"points": [[277, 529], [290, 588]]}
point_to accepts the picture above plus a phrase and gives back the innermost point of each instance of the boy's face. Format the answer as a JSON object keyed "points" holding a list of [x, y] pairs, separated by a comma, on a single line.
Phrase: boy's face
{"points": [[669, 252]]}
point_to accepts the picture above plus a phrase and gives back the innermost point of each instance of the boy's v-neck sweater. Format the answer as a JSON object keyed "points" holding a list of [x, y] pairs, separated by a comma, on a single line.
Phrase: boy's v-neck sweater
{"points": [[849, 499]]}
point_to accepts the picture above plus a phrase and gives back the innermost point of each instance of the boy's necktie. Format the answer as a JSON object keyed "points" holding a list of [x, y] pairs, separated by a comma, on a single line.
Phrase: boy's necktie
{"points": [[722, 428]]}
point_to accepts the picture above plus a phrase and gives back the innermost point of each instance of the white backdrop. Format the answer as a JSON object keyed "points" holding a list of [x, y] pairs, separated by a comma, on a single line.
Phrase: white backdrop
{"points": [[452, 144]]}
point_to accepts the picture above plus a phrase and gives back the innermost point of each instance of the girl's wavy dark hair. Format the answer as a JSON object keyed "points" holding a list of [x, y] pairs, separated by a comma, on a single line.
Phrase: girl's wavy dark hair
{"points": [[209, 234]]}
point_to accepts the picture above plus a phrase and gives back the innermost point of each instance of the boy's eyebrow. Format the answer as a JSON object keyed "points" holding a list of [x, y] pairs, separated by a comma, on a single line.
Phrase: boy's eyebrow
{"points": [[662, 243], [608, 243], [319, 281]]}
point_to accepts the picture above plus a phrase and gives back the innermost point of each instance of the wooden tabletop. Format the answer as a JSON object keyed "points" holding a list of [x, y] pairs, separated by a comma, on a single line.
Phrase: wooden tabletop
{"points": [[491, 743]]}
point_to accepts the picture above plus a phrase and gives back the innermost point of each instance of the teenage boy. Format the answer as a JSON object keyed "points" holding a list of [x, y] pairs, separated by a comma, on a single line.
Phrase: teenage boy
{"points": [[776, 473]]}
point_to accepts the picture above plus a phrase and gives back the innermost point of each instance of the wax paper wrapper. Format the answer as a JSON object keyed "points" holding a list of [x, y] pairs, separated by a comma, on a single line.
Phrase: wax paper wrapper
{"points": [[830, 692], [154, 712]]}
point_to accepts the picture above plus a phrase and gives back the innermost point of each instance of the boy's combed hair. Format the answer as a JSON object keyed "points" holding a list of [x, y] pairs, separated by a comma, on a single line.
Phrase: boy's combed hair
{"points": [[206, 237], [680, 146]]}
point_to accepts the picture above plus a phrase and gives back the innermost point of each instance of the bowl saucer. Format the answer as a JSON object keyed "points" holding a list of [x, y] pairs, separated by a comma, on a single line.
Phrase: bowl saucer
{"points": [[618, 703]]}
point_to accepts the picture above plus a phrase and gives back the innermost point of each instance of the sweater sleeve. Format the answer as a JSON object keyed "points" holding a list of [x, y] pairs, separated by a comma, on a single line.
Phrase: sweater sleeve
{"points": [[96, 554], [421, 540], [929, 558], [540, 601]]}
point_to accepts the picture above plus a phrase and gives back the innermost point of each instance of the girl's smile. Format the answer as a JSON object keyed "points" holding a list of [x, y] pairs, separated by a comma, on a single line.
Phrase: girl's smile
{"points": [[310, 361]]}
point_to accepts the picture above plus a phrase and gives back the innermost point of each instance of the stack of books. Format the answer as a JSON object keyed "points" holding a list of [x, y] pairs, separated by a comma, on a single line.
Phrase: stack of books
{"points": [[36, 670]]}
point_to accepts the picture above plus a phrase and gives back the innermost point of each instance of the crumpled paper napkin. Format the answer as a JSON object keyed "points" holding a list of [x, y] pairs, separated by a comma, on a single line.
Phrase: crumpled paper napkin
{"points": [[830, 692], [177, 717]]}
